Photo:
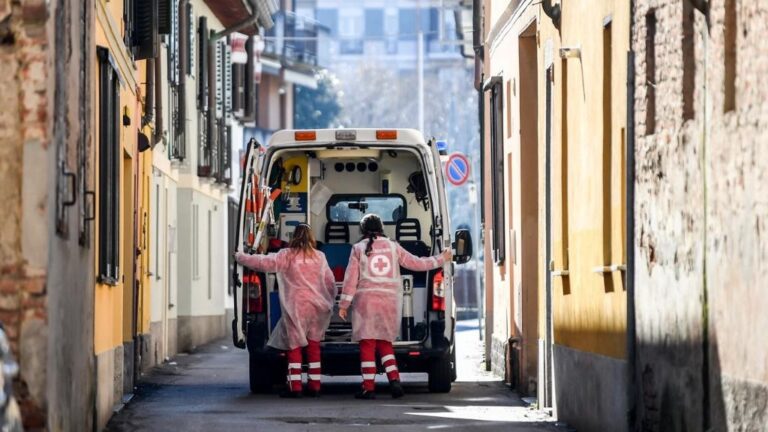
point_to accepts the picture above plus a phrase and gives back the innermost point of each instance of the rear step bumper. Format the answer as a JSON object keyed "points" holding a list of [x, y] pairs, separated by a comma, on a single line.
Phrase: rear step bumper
{"points": [[344, 358]]}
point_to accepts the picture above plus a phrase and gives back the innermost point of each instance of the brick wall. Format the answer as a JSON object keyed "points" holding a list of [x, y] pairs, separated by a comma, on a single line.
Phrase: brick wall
{"points": [[24, 128], [700, 215]]}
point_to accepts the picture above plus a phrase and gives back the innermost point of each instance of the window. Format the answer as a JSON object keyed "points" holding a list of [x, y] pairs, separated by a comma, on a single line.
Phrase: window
{"points": [[142, 28], [730, 58], [329, 18], [689, 60], [157, 231], [351, 208], [497, 170], [202, 73], [195, 241], [374, 23], [351, 31], [210, 254], [109, 170], [408, 24], [191, 46], [650, 73], [391, 30], [607, 142]]}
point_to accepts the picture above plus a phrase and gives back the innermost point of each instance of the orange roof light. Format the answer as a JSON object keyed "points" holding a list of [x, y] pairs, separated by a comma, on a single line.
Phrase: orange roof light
{"points": [[386, 134], [305, 135]]}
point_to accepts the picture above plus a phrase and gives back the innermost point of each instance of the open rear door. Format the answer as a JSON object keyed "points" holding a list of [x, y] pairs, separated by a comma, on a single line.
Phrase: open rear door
{"points": [[246, 224]]}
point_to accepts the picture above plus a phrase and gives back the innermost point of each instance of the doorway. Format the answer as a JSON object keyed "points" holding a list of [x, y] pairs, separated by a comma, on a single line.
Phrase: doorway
{"points": [[529, 210]]}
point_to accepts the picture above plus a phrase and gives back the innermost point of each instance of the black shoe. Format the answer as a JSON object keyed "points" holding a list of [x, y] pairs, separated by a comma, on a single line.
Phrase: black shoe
{"points": [[288, 394], [396, 389], [365, 394], [311, 393]]}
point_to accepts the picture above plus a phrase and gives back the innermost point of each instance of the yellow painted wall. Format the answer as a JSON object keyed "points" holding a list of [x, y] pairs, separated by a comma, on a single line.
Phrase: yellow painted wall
{"points": [[111, 326], [589, 309]]}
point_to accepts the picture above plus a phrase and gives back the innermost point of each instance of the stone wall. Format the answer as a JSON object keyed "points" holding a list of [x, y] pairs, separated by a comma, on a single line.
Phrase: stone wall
{"points": [[24, 132], [45, 273], [701, 115]]}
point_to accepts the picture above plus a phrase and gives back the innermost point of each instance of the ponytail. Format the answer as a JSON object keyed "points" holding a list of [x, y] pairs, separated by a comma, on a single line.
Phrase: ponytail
{"points": [[369, 246]]}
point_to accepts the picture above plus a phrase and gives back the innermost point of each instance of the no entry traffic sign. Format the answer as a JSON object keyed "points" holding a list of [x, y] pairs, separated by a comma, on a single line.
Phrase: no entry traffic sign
{"points": [[457, 169]]}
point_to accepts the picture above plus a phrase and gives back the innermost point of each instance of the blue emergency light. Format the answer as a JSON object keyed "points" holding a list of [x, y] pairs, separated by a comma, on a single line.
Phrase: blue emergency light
{"points": [[442, 147]]}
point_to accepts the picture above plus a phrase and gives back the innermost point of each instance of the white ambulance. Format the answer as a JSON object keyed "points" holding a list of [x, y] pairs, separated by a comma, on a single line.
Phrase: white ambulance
{"points": [[330, 179]]}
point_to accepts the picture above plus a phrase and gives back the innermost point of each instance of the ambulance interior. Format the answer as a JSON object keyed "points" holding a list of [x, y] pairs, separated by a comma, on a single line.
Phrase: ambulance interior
{"points": [[331, 189]]}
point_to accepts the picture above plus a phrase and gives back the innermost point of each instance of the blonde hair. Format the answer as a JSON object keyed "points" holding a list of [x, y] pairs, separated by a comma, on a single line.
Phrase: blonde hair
{"points": [[303, 240]]}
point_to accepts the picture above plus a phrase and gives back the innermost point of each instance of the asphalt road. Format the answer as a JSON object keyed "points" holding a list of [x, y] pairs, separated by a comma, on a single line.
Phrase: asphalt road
{"points": [[207, 390]]}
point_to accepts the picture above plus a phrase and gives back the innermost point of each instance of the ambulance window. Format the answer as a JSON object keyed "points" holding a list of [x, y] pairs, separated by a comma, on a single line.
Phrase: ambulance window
{"points": [[351, 208]]}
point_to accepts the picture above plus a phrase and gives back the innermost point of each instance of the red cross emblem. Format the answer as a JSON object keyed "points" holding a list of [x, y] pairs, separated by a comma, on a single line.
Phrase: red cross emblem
{"points": [[380, 265]]}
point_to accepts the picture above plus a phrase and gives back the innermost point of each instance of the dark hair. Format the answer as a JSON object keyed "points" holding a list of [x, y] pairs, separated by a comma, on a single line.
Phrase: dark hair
{"points": [[371, 227], [303, 240]]}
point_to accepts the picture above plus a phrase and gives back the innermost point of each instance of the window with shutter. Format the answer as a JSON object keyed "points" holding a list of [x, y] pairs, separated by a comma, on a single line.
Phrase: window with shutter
{"points": [[191, 47], [128, 23], [249, 89], [173, 45], [145, 38], [238, 89], [202, 75], [109, 170], [226, 68], [164, 16], [204, 153], [497, 176], [219, 79]]}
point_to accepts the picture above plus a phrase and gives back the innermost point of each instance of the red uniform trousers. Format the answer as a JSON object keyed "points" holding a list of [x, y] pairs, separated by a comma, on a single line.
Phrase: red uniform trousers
{"points": [[294, 367], [368, 350]]}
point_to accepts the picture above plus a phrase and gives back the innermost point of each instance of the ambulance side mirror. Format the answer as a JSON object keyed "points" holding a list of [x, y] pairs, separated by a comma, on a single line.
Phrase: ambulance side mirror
{"points": [[462, 246]]}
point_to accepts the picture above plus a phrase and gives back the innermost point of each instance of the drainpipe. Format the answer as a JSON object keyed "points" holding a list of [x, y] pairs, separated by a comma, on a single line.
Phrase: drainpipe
{"points": [[158, 135], [630, 241], [183, 42], [149, 97], [552, 11]]}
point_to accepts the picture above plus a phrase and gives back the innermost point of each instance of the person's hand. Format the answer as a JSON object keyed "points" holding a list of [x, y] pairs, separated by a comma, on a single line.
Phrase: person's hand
{"points": [[238, 256], [343, 313], [447, 254]]}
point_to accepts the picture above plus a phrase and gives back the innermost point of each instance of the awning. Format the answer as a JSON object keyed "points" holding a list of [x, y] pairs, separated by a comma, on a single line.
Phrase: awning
{"points": [[232, 12], [300, 78]]}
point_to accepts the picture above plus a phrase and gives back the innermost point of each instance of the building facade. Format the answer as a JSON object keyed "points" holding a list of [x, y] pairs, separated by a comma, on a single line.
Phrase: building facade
{"points": [[621, 217], [700, 112], [554, 83]]}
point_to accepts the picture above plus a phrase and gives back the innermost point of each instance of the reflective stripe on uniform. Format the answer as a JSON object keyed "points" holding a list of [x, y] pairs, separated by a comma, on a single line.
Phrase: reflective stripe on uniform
{"points": [[387, 358], [391, 368], [346, 297], [294, 365], [294, 377], [368, 376], [314, 377], [314, 365], [368, 364]]}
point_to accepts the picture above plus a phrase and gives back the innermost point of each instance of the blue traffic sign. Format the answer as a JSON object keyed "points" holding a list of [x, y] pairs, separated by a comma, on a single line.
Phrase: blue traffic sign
{"points": [[457, 169]]}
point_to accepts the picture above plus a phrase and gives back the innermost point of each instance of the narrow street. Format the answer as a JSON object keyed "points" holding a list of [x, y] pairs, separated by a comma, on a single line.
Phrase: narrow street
{"points": [[208, 390]]}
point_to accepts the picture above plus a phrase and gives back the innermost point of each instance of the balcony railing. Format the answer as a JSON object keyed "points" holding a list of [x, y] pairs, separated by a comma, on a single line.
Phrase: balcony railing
{"points": [[296, 40]]}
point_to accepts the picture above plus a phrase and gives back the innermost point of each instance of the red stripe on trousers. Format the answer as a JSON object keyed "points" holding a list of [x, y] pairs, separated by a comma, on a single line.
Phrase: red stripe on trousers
{"points": [[368, 351], [313, 356], [294, 356]]}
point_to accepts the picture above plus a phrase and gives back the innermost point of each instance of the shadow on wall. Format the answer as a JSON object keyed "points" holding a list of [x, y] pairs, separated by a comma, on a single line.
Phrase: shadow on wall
{"points": [[680, 389]]}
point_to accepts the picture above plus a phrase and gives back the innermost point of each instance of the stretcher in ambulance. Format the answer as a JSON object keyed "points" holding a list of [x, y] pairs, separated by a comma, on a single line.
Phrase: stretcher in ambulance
{"points": [[329, 179]]}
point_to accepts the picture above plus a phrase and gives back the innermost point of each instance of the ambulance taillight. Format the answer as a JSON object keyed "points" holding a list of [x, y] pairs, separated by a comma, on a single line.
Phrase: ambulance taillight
{"points": [[255, 303], [438, 291]]}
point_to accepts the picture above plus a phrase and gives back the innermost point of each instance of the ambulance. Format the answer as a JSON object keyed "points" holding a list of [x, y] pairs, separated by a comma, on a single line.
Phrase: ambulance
{"points": [[329, 179]]}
